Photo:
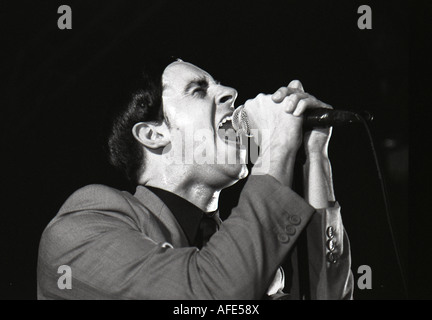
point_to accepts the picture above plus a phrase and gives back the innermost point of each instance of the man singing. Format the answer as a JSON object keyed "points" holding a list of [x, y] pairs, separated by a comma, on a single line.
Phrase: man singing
{"points": [[166, 241]]}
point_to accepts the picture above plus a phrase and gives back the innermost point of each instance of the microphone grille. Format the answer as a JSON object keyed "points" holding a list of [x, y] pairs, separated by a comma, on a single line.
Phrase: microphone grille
{"points": [[240, 121]]}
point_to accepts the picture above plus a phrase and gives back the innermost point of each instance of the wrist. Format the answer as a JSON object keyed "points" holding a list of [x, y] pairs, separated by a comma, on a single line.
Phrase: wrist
{"points": [[279, 165], [316, 155]]}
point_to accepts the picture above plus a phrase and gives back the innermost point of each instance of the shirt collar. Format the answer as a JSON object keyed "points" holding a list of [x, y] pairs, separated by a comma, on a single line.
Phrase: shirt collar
{"points": [[186, 213]]}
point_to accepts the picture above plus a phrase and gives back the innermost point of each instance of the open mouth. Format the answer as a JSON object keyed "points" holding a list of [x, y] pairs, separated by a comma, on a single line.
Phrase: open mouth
{"points": [[226, 131]]}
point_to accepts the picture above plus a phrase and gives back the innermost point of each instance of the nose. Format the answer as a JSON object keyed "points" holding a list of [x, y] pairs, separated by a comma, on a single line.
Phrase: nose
{"points": [[226, 95]]}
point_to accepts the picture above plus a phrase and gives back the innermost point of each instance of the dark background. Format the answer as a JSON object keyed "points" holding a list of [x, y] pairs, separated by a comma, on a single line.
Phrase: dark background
{"points": [[62, 88]]}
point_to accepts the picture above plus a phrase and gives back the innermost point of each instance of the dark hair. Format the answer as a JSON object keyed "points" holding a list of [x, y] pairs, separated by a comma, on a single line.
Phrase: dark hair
{"points": [[144, 104]]}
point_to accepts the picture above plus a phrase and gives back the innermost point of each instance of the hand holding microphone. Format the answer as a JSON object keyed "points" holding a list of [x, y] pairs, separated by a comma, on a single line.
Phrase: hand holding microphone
{"points": [[280, 115], [315, 141], [268, 123], [276, 123], [317, 115]]}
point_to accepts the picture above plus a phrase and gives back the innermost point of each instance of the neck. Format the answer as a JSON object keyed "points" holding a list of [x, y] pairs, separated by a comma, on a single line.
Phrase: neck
{"points": [[203, 196]]}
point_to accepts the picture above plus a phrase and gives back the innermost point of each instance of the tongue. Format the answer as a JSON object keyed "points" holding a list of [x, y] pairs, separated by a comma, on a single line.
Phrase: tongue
{"points": [[227, 125], [227, 132]]}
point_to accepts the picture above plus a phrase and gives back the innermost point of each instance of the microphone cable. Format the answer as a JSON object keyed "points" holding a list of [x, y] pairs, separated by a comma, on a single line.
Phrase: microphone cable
{"points": [[386, 204]]}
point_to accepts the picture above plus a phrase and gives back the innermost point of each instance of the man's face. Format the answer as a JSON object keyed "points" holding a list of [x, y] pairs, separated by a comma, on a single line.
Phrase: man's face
{"points": [[198, 110]]}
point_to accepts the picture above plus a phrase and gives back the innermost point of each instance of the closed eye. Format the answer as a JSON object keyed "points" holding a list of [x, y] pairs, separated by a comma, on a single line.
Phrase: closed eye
{"points": [[201, 92], [197, 86]]}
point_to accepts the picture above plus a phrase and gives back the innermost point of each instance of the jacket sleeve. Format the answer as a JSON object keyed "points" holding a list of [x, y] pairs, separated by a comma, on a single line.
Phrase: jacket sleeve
{"points": [[111, 259], [330, 275]]}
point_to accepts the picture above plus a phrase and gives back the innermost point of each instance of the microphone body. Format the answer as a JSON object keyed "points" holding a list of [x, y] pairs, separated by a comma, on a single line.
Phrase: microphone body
{"points": [[318, 117], [329, 117]]}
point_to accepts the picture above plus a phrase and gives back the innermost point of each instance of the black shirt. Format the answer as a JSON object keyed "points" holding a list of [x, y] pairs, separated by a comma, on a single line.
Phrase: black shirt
{"points": [[191, 218]]}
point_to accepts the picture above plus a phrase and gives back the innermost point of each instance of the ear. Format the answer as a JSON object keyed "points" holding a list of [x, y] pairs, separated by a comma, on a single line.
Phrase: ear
{"points": [[151, 135]]}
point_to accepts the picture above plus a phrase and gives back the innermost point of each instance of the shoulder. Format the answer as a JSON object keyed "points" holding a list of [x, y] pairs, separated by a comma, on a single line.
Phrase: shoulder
{"points": [[88, 212], [95, 206], [95, 191], [98, 202], [97, 197]]}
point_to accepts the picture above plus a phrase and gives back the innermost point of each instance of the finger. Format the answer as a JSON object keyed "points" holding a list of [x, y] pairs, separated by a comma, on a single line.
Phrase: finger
{"points": [[292, 101], [281, 93], [325, 105], [304, 104], [320, 104], [296, 84], [310, 103]]}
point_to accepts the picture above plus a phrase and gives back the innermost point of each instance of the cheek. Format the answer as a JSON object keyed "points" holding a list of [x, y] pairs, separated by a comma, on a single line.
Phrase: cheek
{"points": [[191, 118]]}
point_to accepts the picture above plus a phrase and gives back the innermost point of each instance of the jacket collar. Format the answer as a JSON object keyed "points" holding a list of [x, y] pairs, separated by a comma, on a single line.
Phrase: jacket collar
{"points": [[186, 213], [162, 212]]}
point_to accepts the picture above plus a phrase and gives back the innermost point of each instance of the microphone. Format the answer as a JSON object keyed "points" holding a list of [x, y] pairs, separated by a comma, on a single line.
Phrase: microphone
{"points": [[318, 117]]}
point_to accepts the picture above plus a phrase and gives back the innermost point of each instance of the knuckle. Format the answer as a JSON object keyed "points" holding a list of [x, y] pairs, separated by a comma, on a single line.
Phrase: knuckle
{"points": [[288, 104], [307, 101], [248, 101], [290, 99], [297, 96]]}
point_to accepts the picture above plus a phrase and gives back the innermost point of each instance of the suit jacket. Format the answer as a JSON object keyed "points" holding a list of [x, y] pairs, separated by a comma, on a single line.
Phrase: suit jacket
{"points": [[124, 246]]}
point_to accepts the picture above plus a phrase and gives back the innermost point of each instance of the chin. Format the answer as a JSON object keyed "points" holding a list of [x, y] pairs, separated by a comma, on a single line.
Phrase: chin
{"points": [[240, 170], [244, 172], [230, 163], [224, 176], [237, 173]]}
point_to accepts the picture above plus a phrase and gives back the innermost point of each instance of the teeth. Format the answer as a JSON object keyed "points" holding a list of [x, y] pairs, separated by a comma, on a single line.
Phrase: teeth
{"points": [[224, 120]]}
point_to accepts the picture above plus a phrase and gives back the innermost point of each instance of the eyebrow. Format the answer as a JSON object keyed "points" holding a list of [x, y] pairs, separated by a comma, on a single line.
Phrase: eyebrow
{"points": [[198, 82]]}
